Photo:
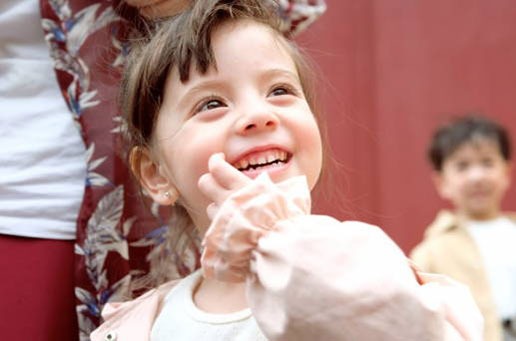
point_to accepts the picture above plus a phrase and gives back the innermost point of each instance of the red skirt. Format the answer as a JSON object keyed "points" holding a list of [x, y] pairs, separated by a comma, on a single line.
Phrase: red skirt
{"points": [[37, 300]]}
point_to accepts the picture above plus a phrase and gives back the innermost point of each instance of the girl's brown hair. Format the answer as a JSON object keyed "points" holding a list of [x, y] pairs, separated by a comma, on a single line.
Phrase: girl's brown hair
{"points": [[182, 42]]}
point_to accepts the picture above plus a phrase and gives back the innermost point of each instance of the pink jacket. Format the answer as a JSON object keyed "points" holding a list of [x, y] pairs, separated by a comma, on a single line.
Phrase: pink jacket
{"points": [[312, 277]]}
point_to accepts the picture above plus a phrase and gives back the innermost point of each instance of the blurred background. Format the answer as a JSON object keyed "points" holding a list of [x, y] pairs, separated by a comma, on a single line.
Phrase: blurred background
{"points": [[390, 72]]}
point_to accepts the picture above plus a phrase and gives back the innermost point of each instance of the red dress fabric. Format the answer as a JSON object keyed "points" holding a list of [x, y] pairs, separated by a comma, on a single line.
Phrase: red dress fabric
{"points": [[37, 289], [86, 40]]}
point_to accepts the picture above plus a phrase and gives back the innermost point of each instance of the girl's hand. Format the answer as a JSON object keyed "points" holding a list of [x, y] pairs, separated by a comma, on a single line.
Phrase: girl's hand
{"points": [[155, 9], [242, 212], [220, 182]]}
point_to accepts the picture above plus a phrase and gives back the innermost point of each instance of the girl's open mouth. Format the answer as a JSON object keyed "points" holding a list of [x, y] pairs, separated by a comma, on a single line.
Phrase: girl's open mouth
{"points": [[267, 160]]}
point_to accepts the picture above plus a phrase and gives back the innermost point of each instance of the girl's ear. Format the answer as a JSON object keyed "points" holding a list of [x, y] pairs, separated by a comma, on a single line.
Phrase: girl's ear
{"points": [[151, 177]]}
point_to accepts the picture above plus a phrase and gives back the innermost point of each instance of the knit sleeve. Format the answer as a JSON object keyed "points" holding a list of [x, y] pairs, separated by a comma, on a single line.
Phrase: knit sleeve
{"points": [[313, 277]]}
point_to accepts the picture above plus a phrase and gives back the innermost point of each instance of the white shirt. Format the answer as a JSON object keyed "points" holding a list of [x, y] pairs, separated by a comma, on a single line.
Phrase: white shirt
{"points": [[497, 242], [42, 159], [180, 319]]}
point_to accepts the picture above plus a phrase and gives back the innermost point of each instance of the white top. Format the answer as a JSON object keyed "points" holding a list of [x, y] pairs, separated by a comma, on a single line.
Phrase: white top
{"points": [[180, 319], [42, 159], [497, 242]]}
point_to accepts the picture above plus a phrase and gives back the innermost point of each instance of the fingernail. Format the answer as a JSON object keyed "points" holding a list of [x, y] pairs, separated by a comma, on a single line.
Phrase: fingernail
{"points": [[220, 155], [213, 159]]}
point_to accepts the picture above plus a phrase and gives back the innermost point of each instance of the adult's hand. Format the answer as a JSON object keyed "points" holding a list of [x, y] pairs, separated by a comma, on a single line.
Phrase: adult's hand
{"points": [[155, 9]]}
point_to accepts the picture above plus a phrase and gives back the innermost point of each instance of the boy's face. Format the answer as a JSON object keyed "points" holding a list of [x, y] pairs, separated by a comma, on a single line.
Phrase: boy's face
{"points": [[474, 178], [251, 107]]}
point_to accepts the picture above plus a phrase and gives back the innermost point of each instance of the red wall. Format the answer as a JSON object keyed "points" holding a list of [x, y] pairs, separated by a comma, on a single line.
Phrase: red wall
{"points": [[390, 72]]}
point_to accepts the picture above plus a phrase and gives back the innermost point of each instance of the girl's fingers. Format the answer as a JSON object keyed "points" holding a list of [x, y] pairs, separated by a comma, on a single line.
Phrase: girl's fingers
{"points": [[212, 189], [226, 175], [212, 209], [221, 180]]}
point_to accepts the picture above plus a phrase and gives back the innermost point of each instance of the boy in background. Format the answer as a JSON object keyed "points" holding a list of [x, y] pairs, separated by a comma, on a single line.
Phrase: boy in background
{"points": [[476, 242]]}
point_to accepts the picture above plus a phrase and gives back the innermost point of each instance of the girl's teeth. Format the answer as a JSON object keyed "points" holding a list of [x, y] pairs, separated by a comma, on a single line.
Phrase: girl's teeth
{"points": [[273, 157], [244, 164]]}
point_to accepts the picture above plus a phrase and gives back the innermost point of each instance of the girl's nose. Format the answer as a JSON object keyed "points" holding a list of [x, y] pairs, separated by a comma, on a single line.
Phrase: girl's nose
{"points": [[256, 121]]}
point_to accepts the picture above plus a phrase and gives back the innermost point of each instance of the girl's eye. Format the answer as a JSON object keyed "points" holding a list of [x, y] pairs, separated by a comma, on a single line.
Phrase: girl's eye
{"points": [[210, 105], [281, 91]]}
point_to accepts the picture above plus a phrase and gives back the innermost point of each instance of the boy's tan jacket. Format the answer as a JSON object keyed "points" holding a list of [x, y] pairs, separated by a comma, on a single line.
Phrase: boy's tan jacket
{"points": [[449, 249]]}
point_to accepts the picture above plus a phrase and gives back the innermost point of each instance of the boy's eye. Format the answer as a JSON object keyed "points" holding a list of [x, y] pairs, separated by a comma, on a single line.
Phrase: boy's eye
{"points": [[461, 165], [487, 162]]}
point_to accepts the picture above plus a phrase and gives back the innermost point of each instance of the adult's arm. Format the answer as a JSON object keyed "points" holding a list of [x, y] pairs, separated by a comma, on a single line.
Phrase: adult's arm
{"points": [[154, 9], [297, 15]]}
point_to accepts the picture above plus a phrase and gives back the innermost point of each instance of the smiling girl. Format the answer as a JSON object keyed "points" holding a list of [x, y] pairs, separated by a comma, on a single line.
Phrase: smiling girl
{"points": [[224, 129]]}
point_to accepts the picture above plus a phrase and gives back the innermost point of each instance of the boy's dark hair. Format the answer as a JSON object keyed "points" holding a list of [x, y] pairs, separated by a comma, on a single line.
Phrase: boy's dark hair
{"points": [[449, 137]]}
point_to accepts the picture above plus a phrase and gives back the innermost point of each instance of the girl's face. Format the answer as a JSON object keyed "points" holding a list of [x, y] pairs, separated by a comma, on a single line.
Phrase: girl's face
{"points": [[251, 107]]}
